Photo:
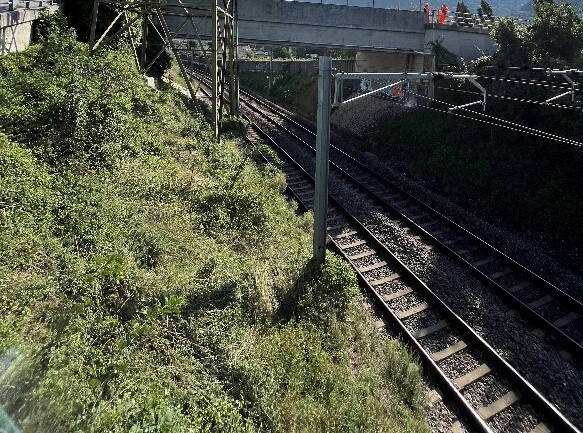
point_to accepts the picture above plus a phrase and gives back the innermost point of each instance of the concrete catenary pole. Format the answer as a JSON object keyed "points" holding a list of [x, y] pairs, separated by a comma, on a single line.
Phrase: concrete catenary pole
{"points": [[215, 68], [322, 159], [236, 29]]}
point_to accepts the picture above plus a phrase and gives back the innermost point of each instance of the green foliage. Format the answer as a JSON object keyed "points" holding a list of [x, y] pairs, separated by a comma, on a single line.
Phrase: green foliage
{"points": [[556, 34], [50, 24], [144, 268], [444, 59], [283, 53], [93, 121], [328, 292], [553, 38], [511, 38], [462, 8], [297, 91], [485, 10]]}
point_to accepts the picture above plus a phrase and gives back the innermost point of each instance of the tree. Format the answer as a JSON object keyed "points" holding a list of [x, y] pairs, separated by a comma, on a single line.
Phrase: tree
{"points": [[556, 34], [283, 53], [554, 38], [511, 38], [462, 8], [485, 10]]}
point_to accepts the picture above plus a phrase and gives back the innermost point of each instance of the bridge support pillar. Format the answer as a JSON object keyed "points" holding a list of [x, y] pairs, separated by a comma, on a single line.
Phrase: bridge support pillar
{"points": [[215, 69]]}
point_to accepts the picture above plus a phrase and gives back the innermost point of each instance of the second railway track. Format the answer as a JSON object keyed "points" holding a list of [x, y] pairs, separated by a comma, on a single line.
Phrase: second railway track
{"points": [[421, 314]]}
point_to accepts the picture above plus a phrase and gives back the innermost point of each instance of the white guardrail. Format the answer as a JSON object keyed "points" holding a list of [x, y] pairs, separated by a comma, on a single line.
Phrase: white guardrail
{"points": [[11, 5]]}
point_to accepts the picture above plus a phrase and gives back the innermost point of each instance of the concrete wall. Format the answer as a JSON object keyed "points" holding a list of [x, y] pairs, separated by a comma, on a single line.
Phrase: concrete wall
{"points": [[293, 66], [367, 61], [469, 43], [320, 25], [16, 28]]}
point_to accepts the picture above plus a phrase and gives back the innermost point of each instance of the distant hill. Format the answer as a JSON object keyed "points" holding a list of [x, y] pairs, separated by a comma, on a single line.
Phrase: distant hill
{"points": [[519, 8]]}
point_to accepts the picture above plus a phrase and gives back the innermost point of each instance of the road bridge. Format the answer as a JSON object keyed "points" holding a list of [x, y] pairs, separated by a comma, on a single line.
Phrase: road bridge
{"points": [[322, 25]]}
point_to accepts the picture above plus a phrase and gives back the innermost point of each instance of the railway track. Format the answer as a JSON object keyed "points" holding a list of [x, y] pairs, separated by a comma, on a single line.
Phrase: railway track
{"points": [[435, 331], [551, 309]]}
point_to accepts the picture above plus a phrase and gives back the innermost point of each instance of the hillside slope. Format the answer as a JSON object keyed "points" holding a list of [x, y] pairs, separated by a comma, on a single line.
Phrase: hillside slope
{"points": [[152, 280]]}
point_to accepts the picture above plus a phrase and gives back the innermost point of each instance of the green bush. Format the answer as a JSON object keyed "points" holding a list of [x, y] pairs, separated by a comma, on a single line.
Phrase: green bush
{"points": [[76, 108], [143, 269], [327, 292]]}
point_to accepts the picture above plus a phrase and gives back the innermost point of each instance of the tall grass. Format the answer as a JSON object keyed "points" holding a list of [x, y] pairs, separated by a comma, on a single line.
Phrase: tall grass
{"points": [[152, 280]]}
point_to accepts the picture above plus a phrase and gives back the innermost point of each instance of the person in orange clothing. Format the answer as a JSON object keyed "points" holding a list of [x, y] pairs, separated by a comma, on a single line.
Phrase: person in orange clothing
{"points": [[426, 12], [442, 15]]}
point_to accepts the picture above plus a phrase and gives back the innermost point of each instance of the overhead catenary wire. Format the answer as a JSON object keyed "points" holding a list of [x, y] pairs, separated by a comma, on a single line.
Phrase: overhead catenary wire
{"points": [[482, 121], [507, 122], [516, 99], [495, 121], [530, 82]]}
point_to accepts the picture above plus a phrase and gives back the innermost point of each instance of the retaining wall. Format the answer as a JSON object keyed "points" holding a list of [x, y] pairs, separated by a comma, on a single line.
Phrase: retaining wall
{"points": [[16, 28]]}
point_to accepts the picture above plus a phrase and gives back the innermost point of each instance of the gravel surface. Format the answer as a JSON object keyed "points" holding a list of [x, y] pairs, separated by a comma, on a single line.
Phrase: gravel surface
{"points": [[537, 358], [440, 340], [517, 420], [461, 363], [485, 391], [542, 255]]}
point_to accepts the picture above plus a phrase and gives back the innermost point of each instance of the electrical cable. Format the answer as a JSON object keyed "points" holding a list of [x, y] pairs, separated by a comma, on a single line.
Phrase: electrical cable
{"points": [[501, 123], [515, 99], [567, 86]]}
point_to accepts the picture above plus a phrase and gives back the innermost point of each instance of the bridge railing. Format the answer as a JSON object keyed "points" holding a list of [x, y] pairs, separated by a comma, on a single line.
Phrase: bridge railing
{"points": [[460, 19], [12, 5], [413, 5]]}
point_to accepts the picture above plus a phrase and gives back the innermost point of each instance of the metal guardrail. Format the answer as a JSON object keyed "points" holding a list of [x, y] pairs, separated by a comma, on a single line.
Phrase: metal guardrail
{"points": [[12, 5], [460, 19]]}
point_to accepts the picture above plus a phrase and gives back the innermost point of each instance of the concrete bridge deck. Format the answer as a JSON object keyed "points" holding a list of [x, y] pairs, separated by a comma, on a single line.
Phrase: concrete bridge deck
{"points": [[320, 25], [325, 25]]}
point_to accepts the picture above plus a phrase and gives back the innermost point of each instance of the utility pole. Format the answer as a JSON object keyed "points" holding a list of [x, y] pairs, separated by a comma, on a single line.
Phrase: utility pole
{"points": [[145, 27], [232, 47], [215, 69], [270, 70], [322, 160], [93, 23]]}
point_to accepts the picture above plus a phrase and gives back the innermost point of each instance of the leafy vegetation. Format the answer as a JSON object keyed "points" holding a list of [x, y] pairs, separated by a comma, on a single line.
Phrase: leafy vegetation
{"points": [[297, 91], [531, 183], [152, 280], [462, 8], [485, 10], [553, 38]]}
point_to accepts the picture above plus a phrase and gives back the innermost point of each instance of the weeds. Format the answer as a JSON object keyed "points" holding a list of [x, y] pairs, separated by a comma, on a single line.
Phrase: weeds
{"points": [[144, 268]]}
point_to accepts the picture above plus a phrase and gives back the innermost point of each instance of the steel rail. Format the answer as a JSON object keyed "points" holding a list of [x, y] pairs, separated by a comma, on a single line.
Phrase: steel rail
{"points": [[571, 302], [573, 345], [557, 418], [446, 384]]}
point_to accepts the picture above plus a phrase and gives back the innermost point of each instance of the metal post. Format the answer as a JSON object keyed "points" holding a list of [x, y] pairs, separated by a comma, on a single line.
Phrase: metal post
{"points": [[214, 69], [322, 160], [270, 70], [236, 30], [145, 27], [177, 56], [93, 23], [231, 60]]}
